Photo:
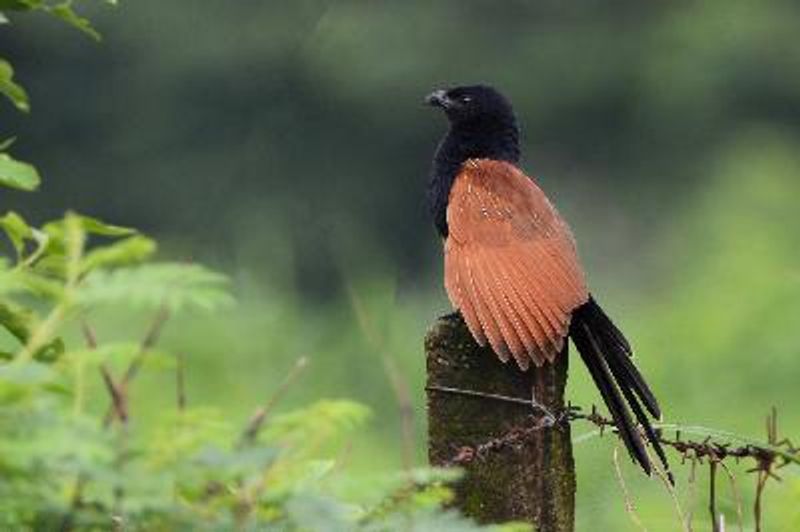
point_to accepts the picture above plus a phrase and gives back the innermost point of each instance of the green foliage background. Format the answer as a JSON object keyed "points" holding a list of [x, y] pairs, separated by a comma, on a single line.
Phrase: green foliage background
{"points": [[286, 144]]}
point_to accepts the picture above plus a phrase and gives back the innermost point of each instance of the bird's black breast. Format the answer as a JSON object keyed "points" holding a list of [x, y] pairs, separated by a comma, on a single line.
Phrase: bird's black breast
{"points": [[457, 146], [446, 167]]}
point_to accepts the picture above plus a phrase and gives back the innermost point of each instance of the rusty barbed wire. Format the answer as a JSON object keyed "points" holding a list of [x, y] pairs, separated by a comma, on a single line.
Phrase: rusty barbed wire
{"points": [[777, 453], [767, 458]]}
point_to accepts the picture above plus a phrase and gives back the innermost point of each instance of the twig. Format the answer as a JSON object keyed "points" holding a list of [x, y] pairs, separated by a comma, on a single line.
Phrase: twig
{"points": [[761, 481], [253, 427], [121, 449], [765, 465], [692, 487], [406, 408], [630, 508], [76, 500], [148, 342], [736, 495], [180, 381], [398, 383], [117, 399], [712, 494], [666, 479], [118, 402], [88, 334]]}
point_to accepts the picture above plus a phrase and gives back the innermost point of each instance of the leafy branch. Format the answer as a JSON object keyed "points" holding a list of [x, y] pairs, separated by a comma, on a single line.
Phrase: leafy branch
{"points": [[14, 173]]}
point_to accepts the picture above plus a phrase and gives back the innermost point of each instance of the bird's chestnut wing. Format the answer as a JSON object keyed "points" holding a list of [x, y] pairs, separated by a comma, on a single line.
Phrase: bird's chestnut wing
{"points": [[511, 266]]}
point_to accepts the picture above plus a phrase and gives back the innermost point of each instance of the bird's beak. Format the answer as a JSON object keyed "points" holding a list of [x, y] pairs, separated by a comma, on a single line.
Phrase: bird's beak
{"points": [[438, 98]]}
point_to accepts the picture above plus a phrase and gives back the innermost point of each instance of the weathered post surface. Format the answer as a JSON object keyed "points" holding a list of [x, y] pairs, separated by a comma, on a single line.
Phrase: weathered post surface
{"points": [[511, 473]]}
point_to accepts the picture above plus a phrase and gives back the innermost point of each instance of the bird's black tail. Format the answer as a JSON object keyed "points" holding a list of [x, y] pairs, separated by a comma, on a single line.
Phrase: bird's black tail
{"points": [[607, 354]]}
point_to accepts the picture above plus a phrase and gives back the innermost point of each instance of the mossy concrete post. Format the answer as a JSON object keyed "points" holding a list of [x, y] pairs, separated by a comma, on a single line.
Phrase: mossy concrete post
{"points": [[510, 473]]}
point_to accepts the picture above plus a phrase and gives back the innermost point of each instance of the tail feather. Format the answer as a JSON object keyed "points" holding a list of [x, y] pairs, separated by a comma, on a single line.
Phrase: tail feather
{"points": [[606, 353], [617, 353], [618, 370], [606, 326], [603, 380]]}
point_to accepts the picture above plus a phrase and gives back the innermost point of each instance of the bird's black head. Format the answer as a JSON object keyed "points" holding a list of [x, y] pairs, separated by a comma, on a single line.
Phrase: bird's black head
{"points": [[473, 105], [482, 125]]}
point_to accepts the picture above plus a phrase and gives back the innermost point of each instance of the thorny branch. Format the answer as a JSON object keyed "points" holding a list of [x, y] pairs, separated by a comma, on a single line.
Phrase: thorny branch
{"points": [[148, 342], [117, 390], [768, 458], [259, 417]]}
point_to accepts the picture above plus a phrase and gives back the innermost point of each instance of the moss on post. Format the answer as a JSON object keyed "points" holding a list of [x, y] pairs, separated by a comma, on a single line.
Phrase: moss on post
{"points": [[518, 474]]}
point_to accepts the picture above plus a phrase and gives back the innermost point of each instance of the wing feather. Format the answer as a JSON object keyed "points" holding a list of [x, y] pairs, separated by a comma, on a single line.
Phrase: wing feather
{"points": [[511, 266], [538, 303], [507, 318], [454, 278], [506, 341], [528, 327], [483, 311]]}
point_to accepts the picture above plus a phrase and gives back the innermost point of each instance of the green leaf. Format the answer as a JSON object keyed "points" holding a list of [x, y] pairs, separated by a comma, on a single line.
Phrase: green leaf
{"points": [[17, 174], [423, 476], [27, 281], [21, 323], [12, 281], [429, 521], [319, 513], [89, 225], [17, 320], [67, 14], [130, 250], [93, 226], [28, 373], [17, 230], [11, 89], [61, 9], [20, 5], [51, 351], [52, 259], [121, 354], [6, 144], [238, 462], [152, 285], [180, 436], [324, 419]]}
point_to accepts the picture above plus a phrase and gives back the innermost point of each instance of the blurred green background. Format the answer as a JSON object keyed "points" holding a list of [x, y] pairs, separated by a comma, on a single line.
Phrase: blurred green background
{"points": [[287, 144]]}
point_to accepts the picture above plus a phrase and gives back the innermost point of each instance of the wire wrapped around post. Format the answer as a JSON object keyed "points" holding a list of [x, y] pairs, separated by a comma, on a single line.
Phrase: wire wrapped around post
{"points": [[518, 463]]}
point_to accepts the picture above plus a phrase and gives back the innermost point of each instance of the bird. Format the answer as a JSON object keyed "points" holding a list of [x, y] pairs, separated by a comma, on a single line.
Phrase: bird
{"points": [[511, 267]]}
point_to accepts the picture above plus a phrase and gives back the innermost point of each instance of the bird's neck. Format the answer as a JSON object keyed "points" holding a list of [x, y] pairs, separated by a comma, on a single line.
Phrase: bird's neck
{"points": [[480, 140], [496, 139]]}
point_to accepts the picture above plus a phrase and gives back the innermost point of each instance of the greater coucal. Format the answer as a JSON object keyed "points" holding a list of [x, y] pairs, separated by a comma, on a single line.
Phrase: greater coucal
{"points": [[510, 264]]}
